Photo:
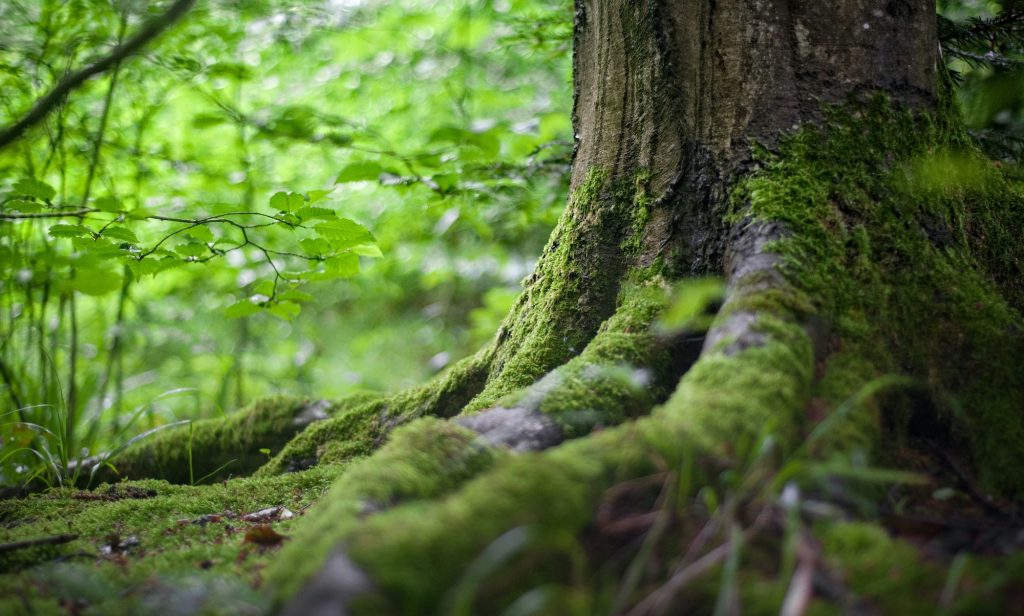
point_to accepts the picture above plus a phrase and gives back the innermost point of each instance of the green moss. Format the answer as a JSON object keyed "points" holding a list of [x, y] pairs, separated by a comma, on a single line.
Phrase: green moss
{"points": [[572, 291], [620, 374], [425, 459], [360, 430], [180, 556], [212, 449], [907, 241]]}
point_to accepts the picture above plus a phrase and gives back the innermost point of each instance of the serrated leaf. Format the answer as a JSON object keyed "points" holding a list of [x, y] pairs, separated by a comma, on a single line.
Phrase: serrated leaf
{"points": [[108, 204], [285, 310], [295, 296], [315, 246], [62, 230], [359, 172], [295, 201], [243, 308], [343, 266], [34, 188], [118, 232], [313, 213], [344, 233], [368, 250]]}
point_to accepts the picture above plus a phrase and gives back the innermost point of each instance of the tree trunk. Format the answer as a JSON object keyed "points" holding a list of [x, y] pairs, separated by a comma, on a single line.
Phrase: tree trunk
{"points": [[807, 152]]}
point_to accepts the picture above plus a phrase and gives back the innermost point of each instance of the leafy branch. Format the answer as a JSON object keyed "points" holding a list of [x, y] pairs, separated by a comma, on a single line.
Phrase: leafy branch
{"points": [[56, 96]]}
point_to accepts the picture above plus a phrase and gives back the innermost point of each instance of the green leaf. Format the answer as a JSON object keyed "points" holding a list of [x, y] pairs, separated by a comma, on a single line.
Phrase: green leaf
{"points": [[285, 310], [108, 204], [343, 266], [264, 287], [279, 201], [118, 232], [287, 202], [315, 246], [317, 195], [201, 233], [368, 250], [359, 172], [344, 233], [313, 213], [295, 296], [243, 308], [690, 303], [34, 188], [62, 230]]}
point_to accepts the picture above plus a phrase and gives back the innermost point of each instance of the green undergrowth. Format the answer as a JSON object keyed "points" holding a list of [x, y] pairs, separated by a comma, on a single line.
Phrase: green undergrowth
{"points": [[908, 240], [148, 546]]}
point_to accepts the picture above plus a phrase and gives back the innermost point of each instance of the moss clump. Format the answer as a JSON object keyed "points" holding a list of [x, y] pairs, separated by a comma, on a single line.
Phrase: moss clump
{"points": [[363, 428], [620, 374], [572, 291], [916, 267], [425, 459], [212, 449]]}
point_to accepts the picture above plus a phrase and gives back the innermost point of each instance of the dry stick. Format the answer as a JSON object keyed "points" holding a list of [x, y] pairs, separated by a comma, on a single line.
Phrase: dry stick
{"points": [[29, 543], [54, 97]]}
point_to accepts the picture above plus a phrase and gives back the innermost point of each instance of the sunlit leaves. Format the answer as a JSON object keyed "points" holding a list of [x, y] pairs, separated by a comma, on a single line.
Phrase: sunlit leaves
{"points": [[344, 233], [286, 202]]}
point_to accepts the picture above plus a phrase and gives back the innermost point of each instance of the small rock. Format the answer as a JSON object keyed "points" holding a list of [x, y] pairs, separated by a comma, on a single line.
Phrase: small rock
{"points": [[270, 514]]}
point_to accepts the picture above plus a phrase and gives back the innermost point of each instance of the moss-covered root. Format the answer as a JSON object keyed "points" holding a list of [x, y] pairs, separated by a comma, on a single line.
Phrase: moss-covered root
{"points": [[363, 428], [424, 459], [212, 449], [416, 555], [621, 374]]}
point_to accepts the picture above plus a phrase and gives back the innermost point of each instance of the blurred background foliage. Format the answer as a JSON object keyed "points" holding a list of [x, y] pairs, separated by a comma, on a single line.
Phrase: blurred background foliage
{"points": [[312, 197]]}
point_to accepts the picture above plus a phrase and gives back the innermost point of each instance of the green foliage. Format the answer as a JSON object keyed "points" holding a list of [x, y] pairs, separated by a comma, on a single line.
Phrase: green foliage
{"points": [[236, 210]]}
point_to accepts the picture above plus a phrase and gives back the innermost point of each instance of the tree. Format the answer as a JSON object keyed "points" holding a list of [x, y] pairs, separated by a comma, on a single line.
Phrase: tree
{"points": [[811, 154]]}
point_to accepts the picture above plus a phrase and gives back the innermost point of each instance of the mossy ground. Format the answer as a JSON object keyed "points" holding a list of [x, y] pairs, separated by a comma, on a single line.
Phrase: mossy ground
{"points": [[900, 242]]}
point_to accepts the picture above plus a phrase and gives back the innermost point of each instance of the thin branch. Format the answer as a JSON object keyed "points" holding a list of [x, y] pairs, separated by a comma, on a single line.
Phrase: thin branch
{"points": [[56, 96], [29, 543]]}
